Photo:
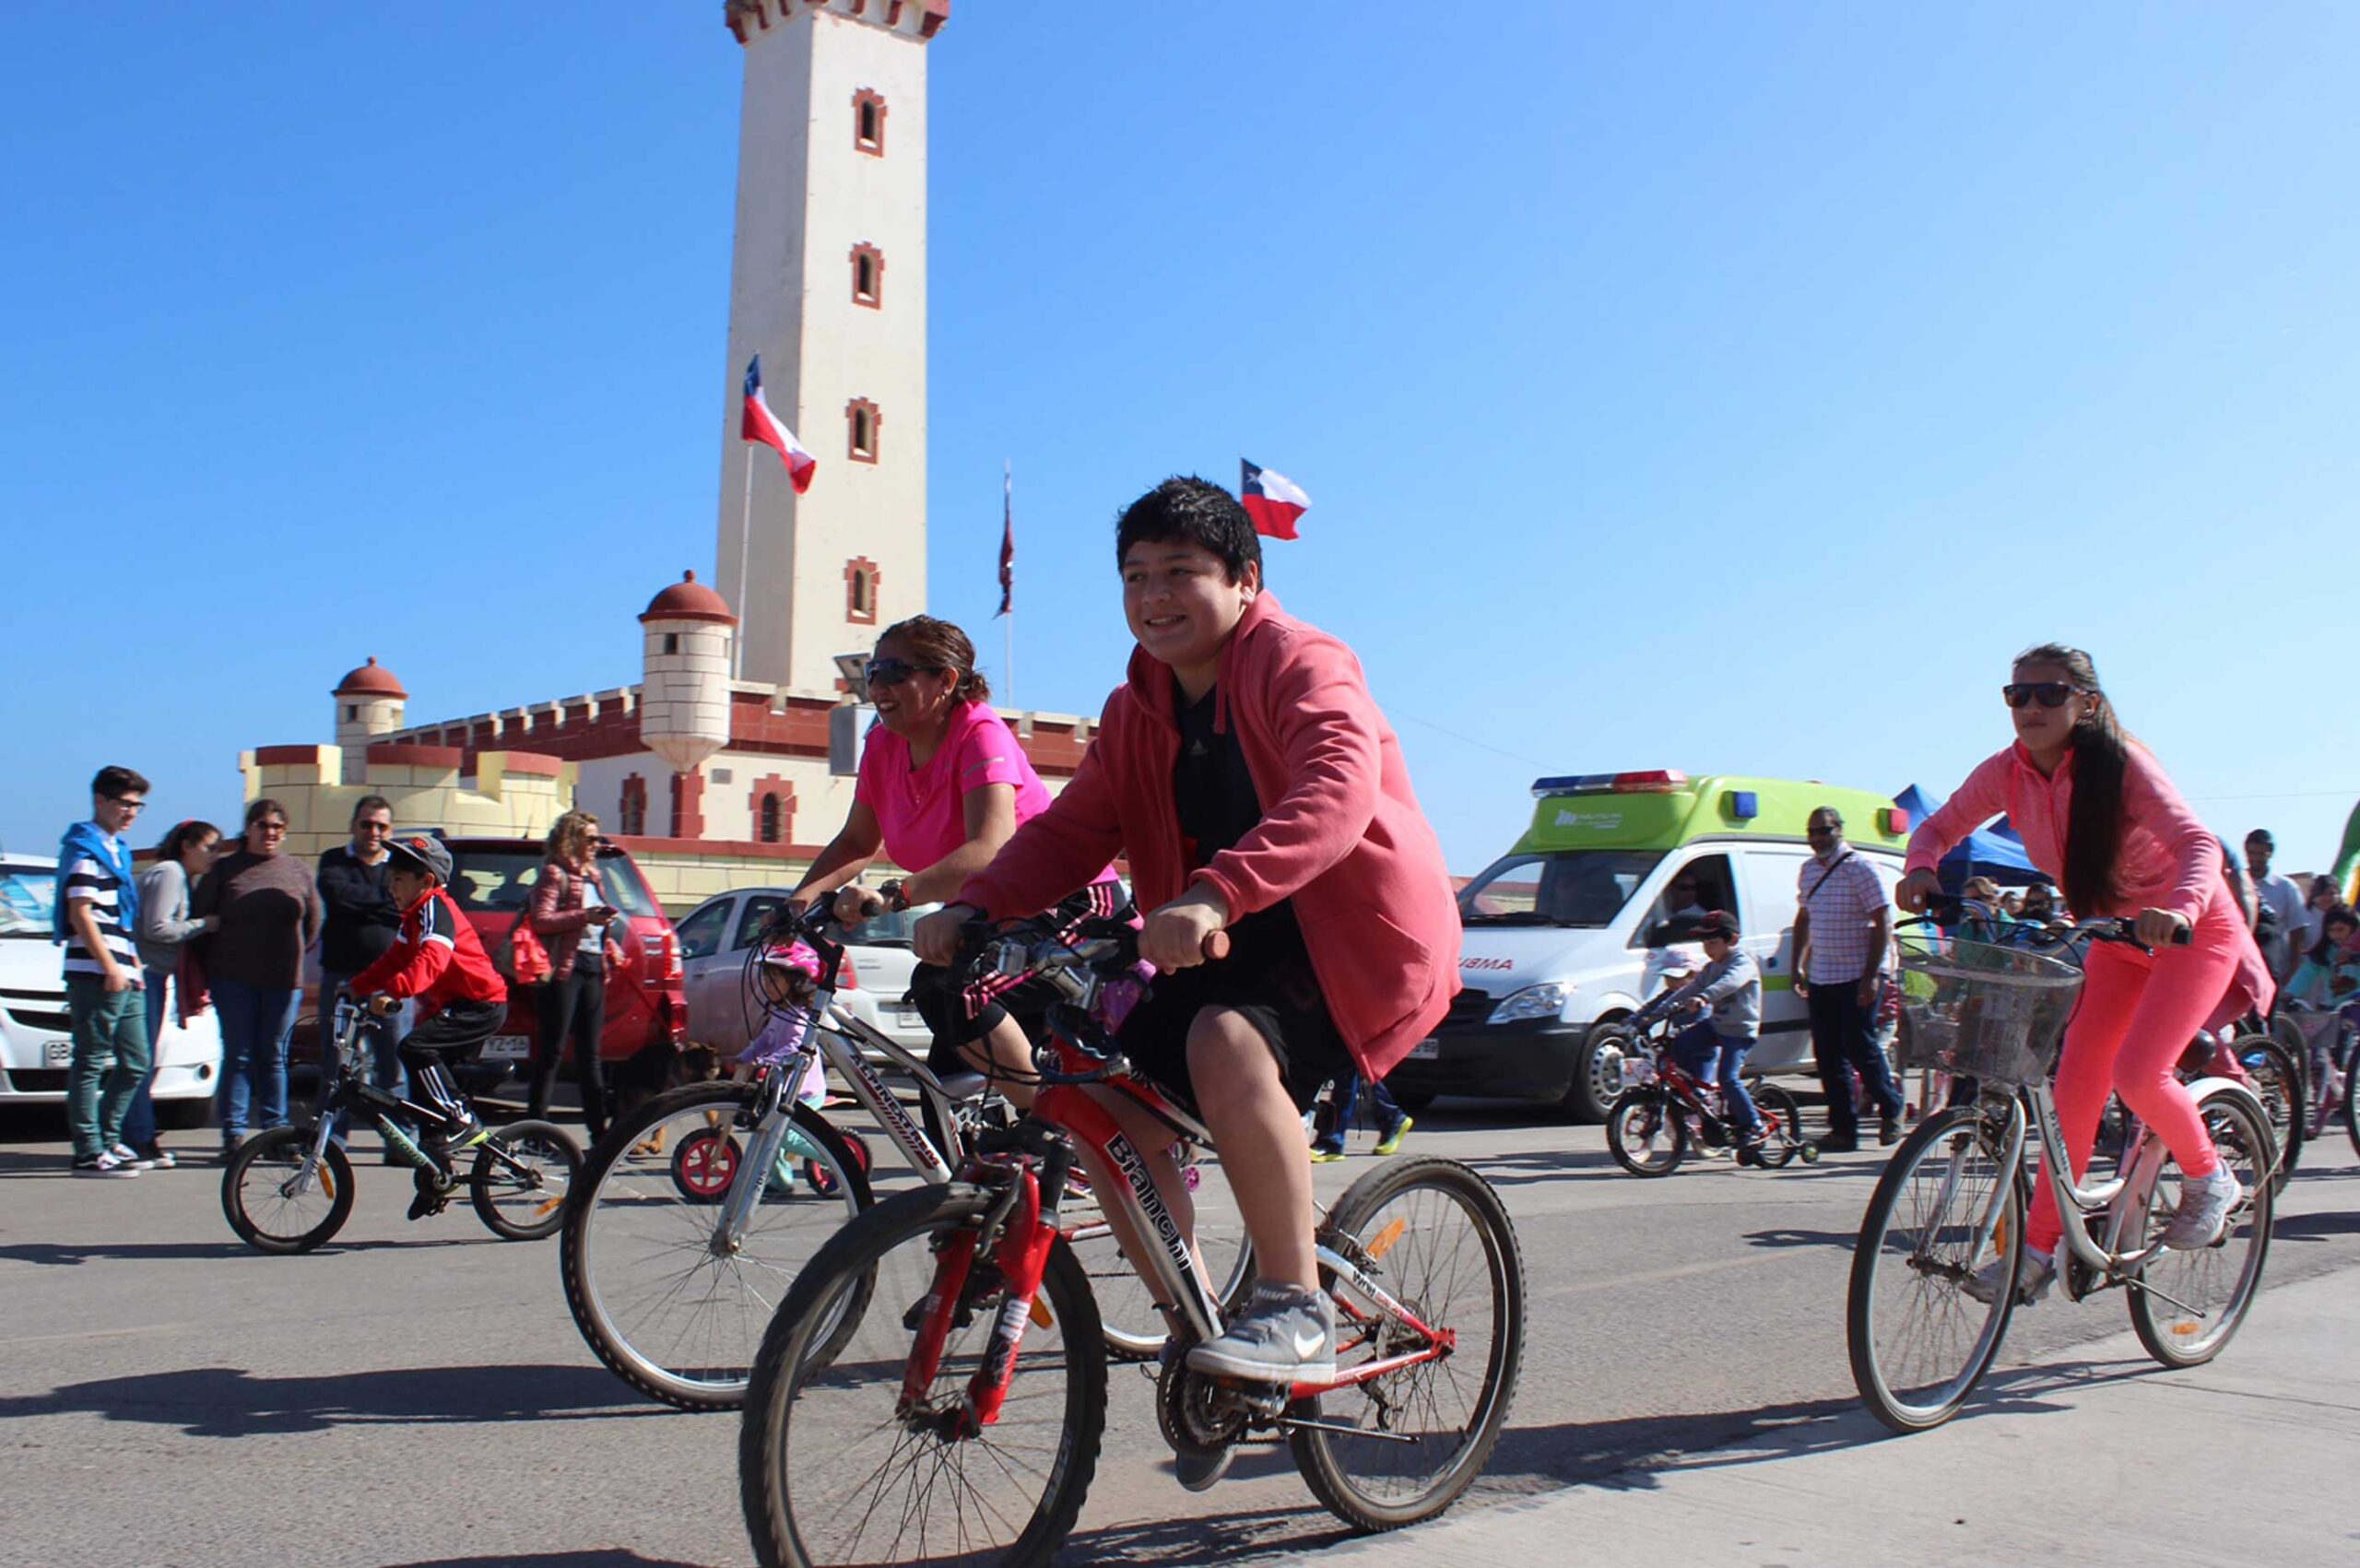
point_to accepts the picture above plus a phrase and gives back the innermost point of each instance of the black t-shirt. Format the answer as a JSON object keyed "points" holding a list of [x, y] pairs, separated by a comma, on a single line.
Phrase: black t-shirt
{"points": [[1218, 805]]}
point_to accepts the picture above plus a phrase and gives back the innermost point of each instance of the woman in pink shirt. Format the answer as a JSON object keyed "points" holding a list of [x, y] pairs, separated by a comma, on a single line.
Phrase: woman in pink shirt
{"points": [[943, 784], [2097, 814]]}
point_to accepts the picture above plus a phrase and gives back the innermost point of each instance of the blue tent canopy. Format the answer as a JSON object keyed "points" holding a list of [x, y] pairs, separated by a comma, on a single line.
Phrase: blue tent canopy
{"points": [[1992, 850]]}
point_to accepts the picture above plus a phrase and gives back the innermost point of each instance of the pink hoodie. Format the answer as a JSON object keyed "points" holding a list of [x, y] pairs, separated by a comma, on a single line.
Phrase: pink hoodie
{"points": [[1340, 833], [2170, 860]]}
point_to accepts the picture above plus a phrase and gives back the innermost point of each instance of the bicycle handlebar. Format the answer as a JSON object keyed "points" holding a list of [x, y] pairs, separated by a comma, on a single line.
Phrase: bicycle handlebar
{"points": [[1948, 909]]}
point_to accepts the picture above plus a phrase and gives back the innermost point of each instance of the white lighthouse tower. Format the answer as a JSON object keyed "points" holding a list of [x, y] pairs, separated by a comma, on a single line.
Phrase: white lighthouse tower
{"points": [[684, 694], [828, 284]]}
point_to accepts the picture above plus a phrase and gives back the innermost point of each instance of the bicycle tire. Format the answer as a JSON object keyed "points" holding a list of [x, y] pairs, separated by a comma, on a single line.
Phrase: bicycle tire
{"points": [[2352, 1099], [2278, 1080], [616, 1240], [554, 1162], [1647, 1132], [1381, 1214], [2206, 1293], [273, 1158], [1922, 1378], [1782, 1122], [857, 1445]]}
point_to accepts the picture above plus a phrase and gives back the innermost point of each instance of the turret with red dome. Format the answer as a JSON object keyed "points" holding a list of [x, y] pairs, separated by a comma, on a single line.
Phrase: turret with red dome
{"points": [[368, 703], [684, 695]]}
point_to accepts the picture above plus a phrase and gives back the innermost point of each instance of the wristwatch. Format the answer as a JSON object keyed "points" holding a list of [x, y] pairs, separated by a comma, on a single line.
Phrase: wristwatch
{"points": [[896, 896]]}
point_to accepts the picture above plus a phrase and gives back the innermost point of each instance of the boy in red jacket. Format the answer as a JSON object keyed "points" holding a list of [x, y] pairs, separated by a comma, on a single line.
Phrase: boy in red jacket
{"points": [[1257, 790], [439, 959]]}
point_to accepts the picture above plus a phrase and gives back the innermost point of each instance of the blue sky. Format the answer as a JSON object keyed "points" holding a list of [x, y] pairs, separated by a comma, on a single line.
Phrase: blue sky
{"points": [[1729, 387]]}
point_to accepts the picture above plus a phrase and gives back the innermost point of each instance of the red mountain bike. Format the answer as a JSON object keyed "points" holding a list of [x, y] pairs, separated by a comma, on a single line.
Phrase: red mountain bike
{"points": [[1651, 1124], [934, 1387]]}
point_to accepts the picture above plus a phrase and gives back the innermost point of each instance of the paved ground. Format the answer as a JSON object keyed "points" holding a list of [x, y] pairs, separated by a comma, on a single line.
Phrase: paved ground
{"points": [[417, 1394]]}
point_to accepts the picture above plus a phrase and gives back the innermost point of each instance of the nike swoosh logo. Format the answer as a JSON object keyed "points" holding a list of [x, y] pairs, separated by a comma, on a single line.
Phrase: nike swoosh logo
{"points": [[1307, 1346]]}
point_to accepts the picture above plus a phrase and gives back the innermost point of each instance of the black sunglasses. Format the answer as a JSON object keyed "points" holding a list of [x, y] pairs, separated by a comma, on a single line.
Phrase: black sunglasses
{"points": [[892, 672], [2049, 693]]}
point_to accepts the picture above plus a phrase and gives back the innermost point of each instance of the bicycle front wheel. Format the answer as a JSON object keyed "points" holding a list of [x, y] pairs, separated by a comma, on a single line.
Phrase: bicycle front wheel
{"points": [[2187, 1305], [672, 1305], [1438, 1240], [1919, 1342], [836, 1466], [1647, 1132], [276, 1205], [519, 1191]]}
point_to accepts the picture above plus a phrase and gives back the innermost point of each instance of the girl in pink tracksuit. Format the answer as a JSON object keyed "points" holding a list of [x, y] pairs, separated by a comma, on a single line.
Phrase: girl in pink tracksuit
{"points": [[2098, 814]]}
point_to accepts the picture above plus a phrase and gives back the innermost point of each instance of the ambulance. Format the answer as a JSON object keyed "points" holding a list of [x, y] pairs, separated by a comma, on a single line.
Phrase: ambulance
{"points": [[1571, 930]]}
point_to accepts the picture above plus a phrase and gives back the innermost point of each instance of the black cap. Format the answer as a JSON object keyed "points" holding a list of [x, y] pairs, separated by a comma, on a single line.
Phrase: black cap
{"points": [[425, 851], [1716, 923]]}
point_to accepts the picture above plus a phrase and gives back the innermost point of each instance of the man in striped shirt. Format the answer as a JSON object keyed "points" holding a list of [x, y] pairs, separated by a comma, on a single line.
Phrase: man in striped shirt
{"points": [[97, 909], [1843, 927]]}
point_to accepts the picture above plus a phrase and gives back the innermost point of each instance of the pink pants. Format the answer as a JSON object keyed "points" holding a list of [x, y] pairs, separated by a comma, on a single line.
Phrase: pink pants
{"points": [[2137, 1013]]}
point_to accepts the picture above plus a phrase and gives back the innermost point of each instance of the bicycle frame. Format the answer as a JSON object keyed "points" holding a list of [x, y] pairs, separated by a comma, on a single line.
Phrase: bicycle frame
{"points": [[348, 1087]]}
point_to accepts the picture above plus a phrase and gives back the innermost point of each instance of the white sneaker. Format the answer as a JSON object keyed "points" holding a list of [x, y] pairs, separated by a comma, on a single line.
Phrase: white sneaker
{"points": [[1285, 1335], [129, 1156], [2032, 1279], [103, 1164], [2203, 1211]]}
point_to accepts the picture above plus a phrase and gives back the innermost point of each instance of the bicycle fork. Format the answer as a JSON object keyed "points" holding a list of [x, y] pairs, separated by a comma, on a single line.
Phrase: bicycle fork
{"points": [[1026, 1230]]}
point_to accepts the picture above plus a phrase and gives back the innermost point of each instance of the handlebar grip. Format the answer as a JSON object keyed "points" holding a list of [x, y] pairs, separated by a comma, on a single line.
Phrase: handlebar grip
{"points": [[1216, 946], [2184, 936]]}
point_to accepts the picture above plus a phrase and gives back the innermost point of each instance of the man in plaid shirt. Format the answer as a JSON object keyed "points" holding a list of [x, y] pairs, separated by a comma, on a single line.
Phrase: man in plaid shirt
{"points": [[1843, 927]]}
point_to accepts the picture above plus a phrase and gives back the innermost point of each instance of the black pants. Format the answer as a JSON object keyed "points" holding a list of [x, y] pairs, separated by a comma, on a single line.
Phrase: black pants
{"points": [[1843, 1039], [572, 1009], [458, 1031]]}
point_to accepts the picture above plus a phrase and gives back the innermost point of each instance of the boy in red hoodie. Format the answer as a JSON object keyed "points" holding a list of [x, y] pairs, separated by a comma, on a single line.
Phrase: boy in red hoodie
{"points": [[1257, 789], [438, 957]]}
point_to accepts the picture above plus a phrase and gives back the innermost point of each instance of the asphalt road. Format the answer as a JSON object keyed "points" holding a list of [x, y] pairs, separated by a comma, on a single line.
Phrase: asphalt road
{"points": [[417, 1394]]}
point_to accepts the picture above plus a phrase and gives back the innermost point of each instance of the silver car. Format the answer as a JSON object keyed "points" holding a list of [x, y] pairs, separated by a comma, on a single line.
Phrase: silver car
{"points": [[717, 938]]}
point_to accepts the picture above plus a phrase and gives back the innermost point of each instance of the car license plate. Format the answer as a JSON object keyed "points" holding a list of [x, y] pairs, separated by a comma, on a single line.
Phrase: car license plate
{"points": [[508, 1047], [57, 1053], [1427, 1051], [906, 1018]]}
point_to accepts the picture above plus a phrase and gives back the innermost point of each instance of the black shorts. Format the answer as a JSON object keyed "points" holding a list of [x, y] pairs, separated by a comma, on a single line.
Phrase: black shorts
{"points": [[1269, 979], [459, 1031]]}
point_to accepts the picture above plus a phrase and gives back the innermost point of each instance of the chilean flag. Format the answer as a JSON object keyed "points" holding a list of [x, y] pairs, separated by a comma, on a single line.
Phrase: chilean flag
{"points": [[761, 424], [1272, 499]]}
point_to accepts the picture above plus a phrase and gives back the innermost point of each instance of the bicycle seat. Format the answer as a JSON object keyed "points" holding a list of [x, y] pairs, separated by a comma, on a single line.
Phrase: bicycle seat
{"points": [[963, 1086]]}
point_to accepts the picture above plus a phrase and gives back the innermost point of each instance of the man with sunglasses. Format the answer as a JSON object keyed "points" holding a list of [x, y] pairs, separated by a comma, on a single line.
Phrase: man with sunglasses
{"points": [[1843, 930], [97, 910], [362, 921]]}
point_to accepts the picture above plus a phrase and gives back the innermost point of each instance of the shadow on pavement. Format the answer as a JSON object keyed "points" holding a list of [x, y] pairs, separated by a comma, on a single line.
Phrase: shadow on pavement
{"points": [[612, 1559], [2313, 1227], [1844, 1240], [1205, 1541], [232, 1402], [68, 1254]]}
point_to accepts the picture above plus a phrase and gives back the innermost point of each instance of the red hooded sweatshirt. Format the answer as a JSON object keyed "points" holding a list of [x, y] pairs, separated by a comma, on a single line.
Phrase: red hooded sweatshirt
{"points": [[1340, 833]]}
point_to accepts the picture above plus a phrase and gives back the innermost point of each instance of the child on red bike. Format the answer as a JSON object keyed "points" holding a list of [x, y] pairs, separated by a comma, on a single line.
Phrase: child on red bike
{"points": [[1714, 1048], [1257, 790]]}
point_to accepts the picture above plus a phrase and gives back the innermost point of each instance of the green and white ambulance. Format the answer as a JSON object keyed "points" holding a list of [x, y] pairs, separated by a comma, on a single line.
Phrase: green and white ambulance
{"points": [[1568, 931]]}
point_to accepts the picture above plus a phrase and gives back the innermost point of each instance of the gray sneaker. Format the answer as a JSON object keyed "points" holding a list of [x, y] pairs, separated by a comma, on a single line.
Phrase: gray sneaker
{"points": [[1285, 1335], [2203, 1211], [2032, 1280]]}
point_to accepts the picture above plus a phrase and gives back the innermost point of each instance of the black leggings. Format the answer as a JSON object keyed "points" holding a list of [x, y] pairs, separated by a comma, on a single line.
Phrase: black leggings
{"points": [[574, 1008]]}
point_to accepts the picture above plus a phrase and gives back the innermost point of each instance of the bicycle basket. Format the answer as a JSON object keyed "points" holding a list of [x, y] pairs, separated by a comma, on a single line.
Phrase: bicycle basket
{"points": [[1975, 1011]]}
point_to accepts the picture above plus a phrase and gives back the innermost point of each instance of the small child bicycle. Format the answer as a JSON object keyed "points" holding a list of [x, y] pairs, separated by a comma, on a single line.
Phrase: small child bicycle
{"points": [[1652, 1123]]}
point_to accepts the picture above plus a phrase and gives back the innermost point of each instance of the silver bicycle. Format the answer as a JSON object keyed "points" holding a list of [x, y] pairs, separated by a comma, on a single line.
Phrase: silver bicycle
{"points": [[695, 1213], [1954, 1198]]}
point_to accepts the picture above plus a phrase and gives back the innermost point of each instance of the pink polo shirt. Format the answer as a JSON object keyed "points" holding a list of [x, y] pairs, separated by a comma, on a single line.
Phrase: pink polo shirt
{"points": [[922, 810]]}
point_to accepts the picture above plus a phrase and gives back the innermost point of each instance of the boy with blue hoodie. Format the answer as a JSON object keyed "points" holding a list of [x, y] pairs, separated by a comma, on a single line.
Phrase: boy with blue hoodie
{"points": [[96, 912]]}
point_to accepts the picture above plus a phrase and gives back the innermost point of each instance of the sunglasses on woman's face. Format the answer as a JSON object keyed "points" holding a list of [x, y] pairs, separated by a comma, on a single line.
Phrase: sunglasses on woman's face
{"points": [[892, 672], [2048, 694]]}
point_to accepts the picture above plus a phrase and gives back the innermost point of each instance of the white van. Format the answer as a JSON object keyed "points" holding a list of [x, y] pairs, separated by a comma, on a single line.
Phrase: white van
{"points": [[1566, 932]]}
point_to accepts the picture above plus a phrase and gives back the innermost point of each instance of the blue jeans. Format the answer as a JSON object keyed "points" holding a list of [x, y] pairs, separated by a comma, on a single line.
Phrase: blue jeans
{"points": [[139, 1122], [1708, 1057], [384, 1035], [1348, 1095], [256, 1022]]}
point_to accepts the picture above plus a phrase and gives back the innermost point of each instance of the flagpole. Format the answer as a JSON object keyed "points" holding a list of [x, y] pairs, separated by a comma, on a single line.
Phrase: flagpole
{"points": [[745, 534]]}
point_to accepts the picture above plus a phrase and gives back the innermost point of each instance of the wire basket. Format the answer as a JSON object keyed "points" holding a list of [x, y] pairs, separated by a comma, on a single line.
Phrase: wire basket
{"points": [[1981, 1011]]}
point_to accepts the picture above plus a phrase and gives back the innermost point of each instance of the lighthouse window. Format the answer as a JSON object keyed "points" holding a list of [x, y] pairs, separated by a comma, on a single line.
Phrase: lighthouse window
{"points": [[351, 711], [867, 276], [861, 420], [861, 578], [770, 818], [869, 123], [671, 641]]}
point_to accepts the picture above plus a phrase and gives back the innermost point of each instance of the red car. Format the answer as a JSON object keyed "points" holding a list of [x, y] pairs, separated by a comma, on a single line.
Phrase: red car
{"points": [[492, 882]]}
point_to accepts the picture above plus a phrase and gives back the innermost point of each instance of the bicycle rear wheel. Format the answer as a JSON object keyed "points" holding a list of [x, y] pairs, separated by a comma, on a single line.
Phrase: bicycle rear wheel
{"points": [[671, 1306], [2187, 1305], [835, 1469], [1782, 1125], [1919, 1342], [273, 1205], [1439, 1242], [527, 1205], [1647, 1132]]}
